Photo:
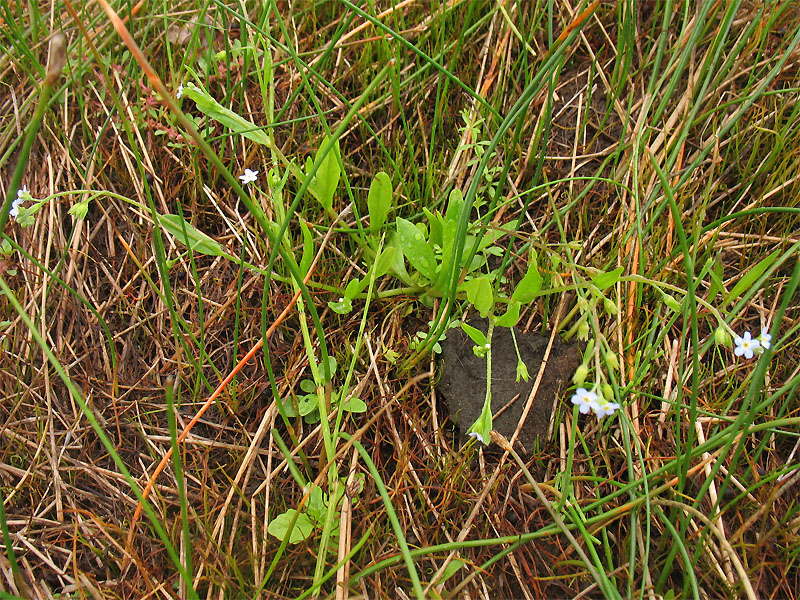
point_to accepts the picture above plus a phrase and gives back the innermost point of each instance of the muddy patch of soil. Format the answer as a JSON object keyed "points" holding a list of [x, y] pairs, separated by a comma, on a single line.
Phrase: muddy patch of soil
{"points": [[463, 380]]}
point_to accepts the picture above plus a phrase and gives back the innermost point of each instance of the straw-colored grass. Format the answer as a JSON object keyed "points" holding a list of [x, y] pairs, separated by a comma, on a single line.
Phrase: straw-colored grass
{"points": [[658, 138]]}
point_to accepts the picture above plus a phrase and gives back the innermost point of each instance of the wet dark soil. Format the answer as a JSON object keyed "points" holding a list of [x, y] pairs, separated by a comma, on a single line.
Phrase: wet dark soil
{"points": [[463, 380]]}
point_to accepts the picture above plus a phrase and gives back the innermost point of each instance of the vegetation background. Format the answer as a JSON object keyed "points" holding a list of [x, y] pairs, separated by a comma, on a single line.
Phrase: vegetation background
{"points": [[655, 141]]}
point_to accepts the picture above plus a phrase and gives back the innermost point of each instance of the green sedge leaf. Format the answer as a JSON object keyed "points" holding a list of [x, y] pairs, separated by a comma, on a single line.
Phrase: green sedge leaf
{"points": [[308, 248], [716, 286], [451, 569], [749, 278], [332, 365]]}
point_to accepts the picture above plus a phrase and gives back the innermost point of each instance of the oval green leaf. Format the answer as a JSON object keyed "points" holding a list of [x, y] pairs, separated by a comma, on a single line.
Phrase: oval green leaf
{"points": [[416, 249], [379, 200]]}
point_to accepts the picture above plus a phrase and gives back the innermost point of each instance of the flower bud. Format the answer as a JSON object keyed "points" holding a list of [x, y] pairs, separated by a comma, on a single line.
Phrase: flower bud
{"points": [[583, 331], [608, 391], [522, 371], [612, 361], [610, 306], [672, 303], [580, 375], [722, 337], [80, 209]]}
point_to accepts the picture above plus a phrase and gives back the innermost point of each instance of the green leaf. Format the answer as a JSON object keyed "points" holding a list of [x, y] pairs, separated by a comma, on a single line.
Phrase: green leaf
{"points": [[355, 287], [342, 306], [189, 236], [308, 386], [435, 224], [385, 261], [603, 280], [332, 365], [455, 204], [312, 418], [716, 274], [479, 294], [511, 316], [489, 238], [416, 249], [308, 248], [398, 268], [355, 405], [302, 529], [307, 404], [211, 108], [449, 228], [749, 278], [317, 505], [379, 200], [451, 569], [529, 286], [326, 179], [476, 335], [288, 408]]}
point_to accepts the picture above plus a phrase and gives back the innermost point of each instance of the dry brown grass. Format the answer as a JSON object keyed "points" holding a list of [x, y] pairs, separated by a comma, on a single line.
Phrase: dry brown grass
{"points": [[68, 508]]}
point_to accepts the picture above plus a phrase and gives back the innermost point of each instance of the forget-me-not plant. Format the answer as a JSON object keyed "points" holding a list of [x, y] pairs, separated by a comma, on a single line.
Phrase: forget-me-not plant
{"points": [[248, 176], [746, 345]]}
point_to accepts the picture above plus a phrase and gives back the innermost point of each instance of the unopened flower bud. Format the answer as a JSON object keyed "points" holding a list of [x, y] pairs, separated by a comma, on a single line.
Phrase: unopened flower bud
{"points": [[522, 371], [583, 331], [608, 391], [612, 361], [610, 306], [672, 303], [581, 373], [722, 337]]}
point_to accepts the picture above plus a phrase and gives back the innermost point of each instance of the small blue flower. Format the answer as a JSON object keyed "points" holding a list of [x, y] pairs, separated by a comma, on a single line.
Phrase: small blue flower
{"points": [[765, 339], [248, 176], [746, 345], [585, 400], [477, 436], [606, 409], [22, 196]]}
